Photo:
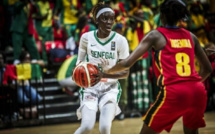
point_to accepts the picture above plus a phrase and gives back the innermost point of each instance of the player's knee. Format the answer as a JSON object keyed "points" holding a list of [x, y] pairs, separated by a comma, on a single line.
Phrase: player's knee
{"points": [[87, 127], [105, 128]]}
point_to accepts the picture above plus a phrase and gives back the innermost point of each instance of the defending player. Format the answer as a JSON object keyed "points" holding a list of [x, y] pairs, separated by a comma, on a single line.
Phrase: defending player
{"points": [[182, 93], [103, 48]]}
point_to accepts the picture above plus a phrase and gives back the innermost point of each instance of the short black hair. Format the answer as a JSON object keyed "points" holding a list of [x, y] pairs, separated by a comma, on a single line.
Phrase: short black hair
{"points": [[98, 7], [174, 10], [23, 55]]}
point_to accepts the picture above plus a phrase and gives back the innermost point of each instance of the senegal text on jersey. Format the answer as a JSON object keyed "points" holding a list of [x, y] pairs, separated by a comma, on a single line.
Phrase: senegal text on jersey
{"points": [[106, 55]]}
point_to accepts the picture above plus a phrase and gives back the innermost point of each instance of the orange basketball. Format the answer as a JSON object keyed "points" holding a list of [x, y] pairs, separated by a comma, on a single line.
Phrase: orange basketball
{"points": [[82, 74]]}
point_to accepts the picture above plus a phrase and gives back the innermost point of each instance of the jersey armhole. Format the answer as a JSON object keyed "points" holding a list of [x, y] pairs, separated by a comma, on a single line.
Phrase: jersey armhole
{"points": [[164, 38]]}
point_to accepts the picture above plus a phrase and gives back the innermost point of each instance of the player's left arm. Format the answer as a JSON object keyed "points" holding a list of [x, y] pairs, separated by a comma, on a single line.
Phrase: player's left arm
{"points": [[101, 74], [118, 75], [123, 53], [146, 43]]}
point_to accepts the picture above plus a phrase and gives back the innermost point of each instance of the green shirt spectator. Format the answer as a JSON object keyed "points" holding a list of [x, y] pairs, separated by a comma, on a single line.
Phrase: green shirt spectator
{"points": [[68, 17], [21, 29], [43, 24]]}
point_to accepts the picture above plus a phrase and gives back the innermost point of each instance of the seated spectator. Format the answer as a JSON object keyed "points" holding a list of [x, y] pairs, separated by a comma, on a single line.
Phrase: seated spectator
{"points": [[7, 96], [27, 96], [71, 46], [64, 75]]}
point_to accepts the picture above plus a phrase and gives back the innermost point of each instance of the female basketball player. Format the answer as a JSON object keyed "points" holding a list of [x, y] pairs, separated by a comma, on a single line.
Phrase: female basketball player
{"points": [[103, 48], [182, 93]]}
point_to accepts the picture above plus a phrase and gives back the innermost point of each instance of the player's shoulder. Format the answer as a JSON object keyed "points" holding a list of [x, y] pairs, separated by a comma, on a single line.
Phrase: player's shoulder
{"points": [[154, 34], [119, 36], [88, 34]]}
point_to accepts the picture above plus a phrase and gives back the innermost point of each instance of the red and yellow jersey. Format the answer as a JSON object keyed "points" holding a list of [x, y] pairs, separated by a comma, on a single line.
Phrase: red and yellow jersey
{"points": [[175, 62]]}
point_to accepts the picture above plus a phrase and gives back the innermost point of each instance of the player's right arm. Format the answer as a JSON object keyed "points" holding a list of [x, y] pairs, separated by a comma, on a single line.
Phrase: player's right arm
{"points": [[82, 50], [201, 56]]}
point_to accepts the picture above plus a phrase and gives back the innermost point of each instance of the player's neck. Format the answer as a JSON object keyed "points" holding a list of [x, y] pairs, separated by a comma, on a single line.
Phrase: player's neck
{"points": [[102, 34], [104, 37], [171, 27]]}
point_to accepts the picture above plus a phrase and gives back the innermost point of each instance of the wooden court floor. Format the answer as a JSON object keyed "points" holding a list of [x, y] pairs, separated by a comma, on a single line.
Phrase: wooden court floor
{"points": [[127, 126]]}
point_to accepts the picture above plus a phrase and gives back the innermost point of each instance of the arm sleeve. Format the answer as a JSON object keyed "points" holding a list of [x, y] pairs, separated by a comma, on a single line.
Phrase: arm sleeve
{"points": [[82, 50], [123, 49]]}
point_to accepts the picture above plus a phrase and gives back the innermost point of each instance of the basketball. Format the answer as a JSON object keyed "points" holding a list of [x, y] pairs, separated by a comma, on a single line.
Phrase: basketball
{"points": [[82, 74]]}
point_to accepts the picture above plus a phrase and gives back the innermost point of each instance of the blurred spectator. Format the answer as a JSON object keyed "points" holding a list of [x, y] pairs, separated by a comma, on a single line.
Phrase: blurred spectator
{"points": [[2, 24], [139, 27], [138, 78], [147, 11], [6, 13], [67, 12], [2, 67], [84, 25], [27, 95], [8, 113], [156, 3], [71, 46], [210, 81], [197, 22], [118, 27], [88, 4], [118, 6], [157, 22], [22, 31], [64, 75], [82, 22], [210, 27], [89, 25], [210, 49], [58, 33], [212, 5], [43, 24]]}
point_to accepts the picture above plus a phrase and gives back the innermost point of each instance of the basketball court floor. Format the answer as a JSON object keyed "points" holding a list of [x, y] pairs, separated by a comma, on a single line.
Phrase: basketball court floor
{"points": [[127, 126]]}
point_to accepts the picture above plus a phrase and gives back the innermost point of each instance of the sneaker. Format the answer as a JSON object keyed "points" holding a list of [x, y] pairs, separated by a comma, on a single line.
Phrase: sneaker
{"points": [[121, 116]]}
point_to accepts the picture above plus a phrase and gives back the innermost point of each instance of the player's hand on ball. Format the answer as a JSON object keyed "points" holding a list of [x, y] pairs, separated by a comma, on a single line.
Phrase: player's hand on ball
{"points": [[96, 76], [104, 64], [86, 74]]}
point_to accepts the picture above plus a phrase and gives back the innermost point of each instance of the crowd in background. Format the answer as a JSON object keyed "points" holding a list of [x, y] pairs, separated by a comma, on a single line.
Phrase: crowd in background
{"points": [[50, 31]]}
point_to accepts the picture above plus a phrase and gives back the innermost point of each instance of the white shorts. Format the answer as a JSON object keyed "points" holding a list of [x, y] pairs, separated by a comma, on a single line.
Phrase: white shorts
{"points": [[97, 98]]}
